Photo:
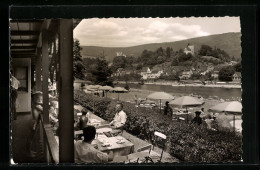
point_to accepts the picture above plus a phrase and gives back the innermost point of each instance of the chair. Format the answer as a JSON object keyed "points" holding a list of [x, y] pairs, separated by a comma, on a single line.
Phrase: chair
{"points": [[162, 136], [143, 152], [119, 159], [118, 131]]}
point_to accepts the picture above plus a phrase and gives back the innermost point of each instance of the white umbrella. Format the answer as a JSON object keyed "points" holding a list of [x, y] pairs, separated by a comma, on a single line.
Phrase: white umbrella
{"points": [[160, 96], [119, 89], [105, 88], [233, 107], [187, 101]]}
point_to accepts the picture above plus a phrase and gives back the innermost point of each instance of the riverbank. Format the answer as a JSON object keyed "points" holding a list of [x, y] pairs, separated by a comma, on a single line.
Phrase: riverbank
{"points": [[224, 119], [237, 86]]}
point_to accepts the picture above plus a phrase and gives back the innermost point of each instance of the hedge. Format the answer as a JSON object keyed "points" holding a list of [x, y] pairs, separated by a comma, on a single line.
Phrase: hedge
{"points": [[188, 142]]}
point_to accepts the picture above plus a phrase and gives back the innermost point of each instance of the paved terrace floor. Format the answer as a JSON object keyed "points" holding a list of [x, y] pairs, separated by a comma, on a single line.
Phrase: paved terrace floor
{"points": [[140, 143], [21, 131]]}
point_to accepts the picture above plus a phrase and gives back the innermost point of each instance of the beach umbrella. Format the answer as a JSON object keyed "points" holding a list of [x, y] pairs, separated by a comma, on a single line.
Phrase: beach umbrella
{"points": [[119, 90], [105, 88], [160, 96], [233, 107], [187, 101]]}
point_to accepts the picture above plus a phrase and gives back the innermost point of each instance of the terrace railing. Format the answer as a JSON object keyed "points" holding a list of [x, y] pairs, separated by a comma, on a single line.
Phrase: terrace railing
{"points": [[50, 145]]}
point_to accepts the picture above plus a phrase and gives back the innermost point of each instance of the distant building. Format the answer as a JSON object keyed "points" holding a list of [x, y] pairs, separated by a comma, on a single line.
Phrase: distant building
{"points": [[186, 74], [119, 72], [145, 70], [237, 77], [189, 49], [120, 54], [147, 73], [231, 63], [215, 74]]}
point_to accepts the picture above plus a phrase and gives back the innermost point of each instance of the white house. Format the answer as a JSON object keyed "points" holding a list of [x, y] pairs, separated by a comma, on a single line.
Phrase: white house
{"points": [[186, 74], [237, 77], [215, 74]]}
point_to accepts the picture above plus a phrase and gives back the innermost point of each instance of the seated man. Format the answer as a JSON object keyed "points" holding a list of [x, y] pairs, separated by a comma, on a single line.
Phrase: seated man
{"points": [[197, 119], [120, 117], [85, 152]]}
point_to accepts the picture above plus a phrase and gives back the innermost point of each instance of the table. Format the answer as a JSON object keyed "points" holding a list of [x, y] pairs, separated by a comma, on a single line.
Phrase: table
{"points": [[118, 149]]}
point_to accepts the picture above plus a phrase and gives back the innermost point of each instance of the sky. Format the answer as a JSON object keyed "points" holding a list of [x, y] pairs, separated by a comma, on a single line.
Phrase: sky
{"points": [[126, 32]]}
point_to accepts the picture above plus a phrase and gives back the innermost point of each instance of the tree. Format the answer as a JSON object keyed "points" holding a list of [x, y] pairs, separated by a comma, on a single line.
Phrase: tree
{"points": [[205, 50], [168, 52], [102, 73], [139, 66], [78, 66], [175, 62], [226, 73], [184, 57], [119, 62], [195, 76], [238, 67]]}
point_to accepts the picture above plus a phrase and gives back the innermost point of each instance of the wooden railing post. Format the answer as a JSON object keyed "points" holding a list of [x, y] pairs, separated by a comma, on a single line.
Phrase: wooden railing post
{"points": [[66, 120]]}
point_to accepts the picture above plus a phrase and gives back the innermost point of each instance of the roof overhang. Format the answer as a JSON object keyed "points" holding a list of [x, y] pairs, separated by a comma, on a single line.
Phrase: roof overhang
{"points": [[25, 35]]}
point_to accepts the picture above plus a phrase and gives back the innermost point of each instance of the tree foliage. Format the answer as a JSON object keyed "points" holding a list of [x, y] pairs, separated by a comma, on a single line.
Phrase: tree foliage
{"points": [[102, 73], [226, 73], [206, 50], [238, 67], [78, 66]]}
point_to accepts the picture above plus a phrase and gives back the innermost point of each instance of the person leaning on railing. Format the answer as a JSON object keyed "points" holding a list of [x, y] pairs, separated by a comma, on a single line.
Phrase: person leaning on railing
{"points": [[14, 87]]}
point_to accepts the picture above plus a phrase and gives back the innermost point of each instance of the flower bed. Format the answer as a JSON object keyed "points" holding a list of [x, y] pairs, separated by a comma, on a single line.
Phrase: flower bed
{"points": [[186, 141]]}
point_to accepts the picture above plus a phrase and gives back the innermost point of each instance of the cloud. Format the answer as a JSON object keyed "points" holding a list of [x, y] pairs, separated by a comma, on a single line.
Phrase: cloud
{"points": [[121, 33]]}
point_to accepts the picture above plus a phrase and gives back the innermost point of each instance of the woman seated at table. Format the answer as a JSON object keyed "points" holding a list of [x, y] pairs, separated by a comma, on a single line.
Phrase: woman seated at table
{"points": [[85, 152], [83, 120]]}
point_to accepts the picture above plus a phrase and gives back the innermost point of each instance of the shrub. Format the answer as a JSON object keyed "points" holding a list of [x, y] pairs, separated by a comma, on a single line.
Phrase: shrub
{"points": [[188, 142]]}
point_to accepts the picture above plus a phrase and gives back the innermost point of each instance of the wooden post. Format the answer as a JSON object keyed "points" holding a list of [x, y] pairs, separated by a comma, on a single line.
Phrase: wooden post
{"points": [[66, 117], [234, 125], [187, 114], [45, 76], [38, 70], [160, 106]]}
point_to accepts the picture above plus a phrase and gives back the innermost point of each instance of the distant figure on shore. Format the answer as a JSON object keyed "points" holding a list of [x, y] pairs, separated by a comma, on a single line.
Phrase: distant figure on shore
{"points": [[197, 119], [136, 99], [167, 109], [202, 111]]}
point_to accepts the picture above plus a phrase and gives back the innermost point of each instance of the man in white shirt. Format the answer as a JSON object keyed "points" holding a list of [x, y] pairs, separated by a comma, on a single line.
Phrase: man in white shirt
{"points": [[85, 152], [120, 117]]}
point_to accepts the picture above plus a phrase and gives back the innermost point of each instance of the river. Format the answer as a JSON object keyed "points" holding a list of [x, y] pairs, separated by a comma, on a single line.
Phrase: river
{"points": [[206, 92]]}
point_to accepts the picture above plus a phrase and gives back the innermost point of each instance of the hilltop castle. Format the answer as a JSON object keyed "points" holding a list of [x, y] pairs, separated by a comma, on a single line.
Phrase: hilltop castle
{"points": [[189, 49]]}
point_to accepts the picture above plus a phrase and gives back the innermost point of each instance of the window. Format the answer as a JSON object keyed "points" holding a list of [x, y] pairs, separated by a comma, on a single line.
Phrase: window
{"points": [[21, 74]]}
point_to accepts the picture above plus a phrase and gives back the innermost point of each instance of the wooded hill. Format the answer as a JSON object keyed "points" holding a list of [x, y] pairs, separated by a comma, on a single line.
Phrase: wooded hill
{"points": [[229, 42]]}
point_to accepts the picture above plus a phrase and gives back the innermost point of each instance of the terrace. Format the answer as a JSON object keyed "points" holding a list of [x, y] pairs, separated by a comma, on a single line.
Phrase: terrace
{"points": [[37, 46], [33, 44]]}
